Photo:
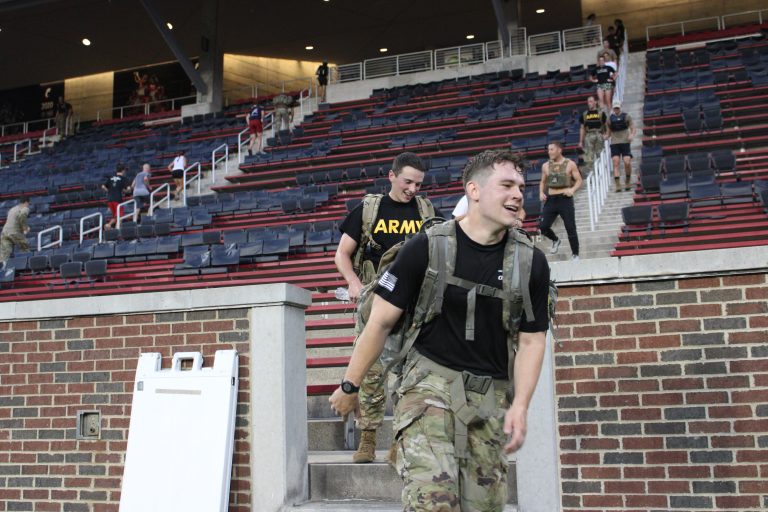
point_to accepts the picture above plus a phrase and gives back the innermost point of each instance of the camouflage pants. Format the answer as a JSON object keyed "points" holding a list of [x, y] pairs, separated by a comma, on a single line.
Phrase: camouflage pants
{"points": [[593, 146], [433, 478], [372, 396], [8, 241], [372, 399]]}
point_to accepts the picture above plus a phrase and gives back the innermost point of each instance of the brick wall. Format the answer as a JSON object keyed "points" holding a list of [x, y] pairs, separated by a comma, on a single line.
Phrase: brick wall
{"points": [[50, 369], [662, 395]]}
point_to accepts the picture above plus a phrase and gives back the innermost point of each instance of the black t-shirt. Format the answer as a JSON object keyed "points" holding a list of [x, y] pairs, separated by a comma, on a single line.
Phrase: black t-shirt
{"points": [[443, 339], [394, 221], [603, 74], [593, 119], [115, 186]]}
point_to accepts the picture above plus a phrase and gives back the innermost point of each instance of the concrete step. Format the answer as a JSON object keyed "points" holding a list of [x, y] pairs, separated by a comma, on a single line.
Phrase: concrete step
{"points": [[333, 477], [328, 434], [353, 505]]}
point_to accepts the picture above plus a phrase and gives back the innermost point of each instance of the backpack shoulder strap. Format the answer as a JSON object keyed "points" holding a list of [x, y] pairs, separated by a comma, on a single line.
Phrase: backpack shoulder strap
{"points": [[524, 266], [426, 209], [430, 300], [371, 204]]}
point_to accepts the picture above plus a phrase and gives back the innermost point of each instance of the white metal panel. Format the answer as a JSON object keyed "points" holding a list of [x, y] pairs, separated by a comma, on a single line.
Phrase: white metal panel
{"points": [[181, 435]]}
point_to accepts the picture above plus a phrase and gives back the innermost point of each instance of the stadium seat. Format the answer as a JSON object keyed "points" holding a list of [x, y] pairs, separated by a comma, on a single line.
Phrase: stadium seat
{"points": [[637, 218], [673, 215]]}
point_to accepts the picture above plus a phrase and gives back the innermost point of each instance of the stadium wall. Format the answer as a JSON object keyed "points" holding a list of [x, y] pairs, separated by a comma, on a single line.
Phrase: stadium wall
{"points": [[661, 382], [58, 357]]}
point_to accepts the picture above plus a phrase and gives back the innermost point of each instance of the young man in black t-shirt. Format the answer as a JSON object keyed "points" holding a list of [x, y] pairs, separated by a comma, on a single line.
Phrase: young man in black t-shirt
{"points": [[398, 216], [115, 185], [427, 450]]}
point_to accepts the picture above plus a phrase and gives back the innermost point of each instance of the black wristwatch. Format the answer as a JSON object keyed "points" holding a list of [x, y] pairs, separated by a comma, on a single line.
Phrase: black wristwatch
{"points": [[349, 388]]}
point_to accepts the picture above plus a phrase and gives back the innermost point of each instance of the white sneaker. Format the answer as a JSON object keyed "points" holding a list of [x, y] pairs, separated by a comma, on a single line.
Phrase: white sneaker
{"points": [[555, 246], [575, 257]]}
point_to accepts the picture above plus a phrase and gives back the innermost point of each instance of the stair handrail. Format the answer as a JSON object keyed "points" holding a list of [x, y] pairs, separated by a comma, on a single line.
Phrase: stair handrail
{"points": [[240, 143], [96, 229], [17, 153], [121, 208], [58, 242], [214, 161], [197, 176], [156, 204]]}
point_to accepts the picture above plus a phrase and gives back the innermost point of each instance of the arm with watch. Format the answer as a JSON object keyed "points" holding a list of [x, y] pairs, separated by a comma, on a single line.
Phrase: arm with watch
{"points": [[367, 350]]}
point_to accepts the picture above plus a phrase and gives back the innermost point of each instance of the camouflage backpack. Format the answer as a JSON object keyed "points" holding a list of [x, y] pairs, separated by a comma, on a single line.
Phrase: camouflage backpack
{"points": [[515, 294], [371, 202]]}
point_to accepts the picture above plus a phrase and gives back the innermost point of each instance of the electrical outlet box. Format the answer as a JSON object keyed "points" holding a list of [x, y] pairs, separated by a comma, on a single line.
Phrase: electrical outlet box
{"points": [[88, 425]]}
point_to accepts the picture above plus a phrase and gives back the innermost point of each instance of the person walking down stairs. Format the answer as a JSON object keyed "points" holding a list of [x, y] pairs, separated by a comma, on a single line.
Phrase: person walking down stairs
{"points": [[560, 179], [621, 130]]}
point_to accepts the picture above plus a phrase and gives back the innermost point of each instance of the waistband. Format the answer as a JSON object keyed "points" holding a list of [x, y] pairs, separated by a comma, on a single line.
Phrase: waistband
{"points": [[472, 382]]}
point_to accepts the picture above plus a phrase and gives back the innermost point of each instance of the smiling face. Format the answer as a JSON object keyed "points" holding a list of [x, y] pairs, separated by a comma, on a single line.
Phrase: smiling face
{"points": [[405, 185], [498, 195], [554, 151]]}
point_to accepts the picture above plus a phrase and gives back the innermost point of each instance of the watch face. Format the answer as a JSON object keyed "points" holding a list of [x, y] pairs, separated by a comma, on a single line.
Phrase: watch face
{"points": [[348, 387]]}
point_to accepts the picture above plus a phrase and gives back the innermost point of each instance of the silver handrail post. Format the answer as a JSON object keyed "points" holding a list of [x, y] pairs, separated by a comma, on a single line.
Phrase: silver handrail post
{"points": [[121, 208], [166, 199], [96, 229], [40, 245]]}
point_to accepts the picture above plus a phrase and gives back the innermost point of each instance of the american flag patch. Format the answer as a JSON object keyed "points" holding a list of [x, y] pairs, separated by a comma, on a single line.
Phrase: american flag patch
{"points": [[388, 281]]}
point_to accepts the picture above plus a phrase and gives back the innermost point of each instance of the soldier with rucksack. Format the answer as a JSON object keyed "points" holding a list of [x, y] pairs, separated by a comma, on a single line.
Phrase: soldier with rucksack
{"points": [[471, 299], [378, 223]]}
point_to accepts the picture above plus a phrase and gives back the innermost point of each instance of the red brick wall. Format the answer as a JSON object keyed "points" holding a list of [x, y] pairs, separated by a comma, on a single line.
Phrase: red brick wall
{"points": [[50, 369], [662, 395]]}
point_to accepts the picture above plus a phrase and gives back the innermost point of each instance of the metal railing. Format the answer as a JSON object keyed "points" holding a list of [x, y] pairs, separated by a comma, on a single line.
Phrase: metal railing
{"points": [[58, 242], [146, 108], [541, 44], [98, 228], [621, 76], [156, 204], [46, 136], [215, 161], [744, 18], [598, 182], [18, 152], [582, 37], [518, 42], [460, 56], [122, 207], [680, 27], [240, 143], [397, 65], [27, 126], [197, 176]]}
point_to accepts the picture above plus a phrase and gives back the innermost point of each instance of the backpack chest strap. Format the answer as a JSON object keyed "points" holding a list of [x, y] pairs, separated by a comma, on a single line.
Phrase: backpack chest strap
{"points": [[476, 289]]}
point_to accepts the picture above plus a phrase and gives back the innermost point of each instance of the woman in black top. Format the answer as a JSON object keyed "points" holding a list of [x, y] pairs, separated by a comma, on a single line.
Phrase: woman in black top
{"points": [[604, 76]]}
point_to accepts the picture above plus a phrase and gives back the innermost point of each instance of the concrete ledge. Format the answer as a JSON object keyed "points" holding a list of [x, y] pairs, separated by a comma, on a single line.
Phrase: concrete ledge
{"points": [[125, 304], [661, 266]]}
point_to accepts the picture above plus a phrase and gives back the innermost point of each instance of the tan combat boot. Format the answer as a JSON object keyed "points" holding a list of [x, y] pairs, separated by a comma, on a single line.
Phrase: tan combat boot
{"points": [[366, 452], [628, 182], [617, 184]]}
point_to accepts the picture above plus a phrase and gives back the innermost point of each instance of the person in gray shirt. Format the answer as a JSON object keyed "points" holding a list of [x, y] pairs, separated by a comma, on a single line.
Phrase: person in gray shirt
{"points": [[141, 188], [15, 229]]}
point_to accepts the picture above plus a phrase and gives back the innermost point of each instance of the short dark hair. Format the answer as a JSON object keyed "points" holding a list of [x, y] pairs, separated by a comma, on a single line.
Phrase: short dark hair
{"points": [[120, 168], [592, 96], [483, 163], [407, 159], [556, 143], [23, 199]]}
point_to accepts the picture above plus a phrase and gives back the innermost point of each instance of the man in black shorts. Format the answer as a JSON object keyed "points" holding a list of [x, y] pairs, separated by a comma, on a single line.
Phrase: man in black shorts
{"points": [[622, 131], [322, 79]]}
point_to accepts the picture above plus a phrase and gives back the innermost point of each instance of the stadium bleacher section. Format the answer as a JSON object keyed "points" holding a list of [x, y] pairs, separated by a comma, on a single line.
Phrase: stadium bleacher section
{"points": [[704, 165]]}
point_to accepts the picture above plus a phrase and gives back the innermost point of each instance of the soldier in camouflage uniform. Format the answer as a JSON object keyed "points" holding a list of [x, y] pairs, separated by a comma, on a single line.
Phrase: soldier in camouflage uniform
{"points": [[376, 224], [458, 413], [15, 229]]}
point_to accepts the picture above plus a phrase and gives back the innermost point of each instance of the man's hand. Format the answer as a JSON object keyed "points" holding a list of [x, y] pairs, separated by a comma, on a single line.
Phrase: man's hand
{"points": [[568, 192], [514, 427], [581, 145], [342, 404], [355, 288], [542, 196]]}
